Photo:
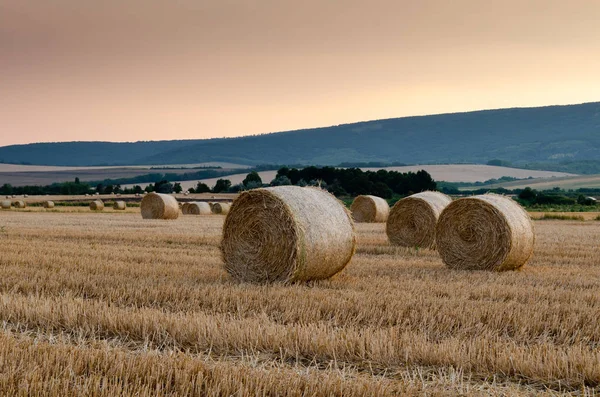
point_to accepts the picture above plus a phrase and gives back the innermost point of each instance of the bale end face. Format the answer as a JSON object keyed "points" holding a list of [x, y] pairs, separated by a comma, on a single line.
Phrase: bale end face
{"points": [[119, 205], [198, 208], [412, 220], [159, 206], [220, 208], [48, 204], [287, 234], [487, 232]]}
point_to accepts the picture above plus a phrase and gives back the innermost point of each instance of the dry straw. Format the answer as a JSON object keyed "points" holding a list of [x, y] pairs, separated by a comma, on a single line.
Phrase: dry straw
{"points": [[97, 205], [184, 208], [19, 204], [369, 209], [198, 208], [159, 206], [287, 233], [119, 205], [221, 208], [48, 204], [5, 204], [412, 220], [487, 232]]}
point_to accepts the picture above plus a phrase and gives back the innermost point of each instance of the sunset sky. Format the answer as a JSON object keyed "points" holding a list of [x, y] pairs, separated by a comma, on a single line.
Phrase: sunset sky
{"points": [[132, 70]]}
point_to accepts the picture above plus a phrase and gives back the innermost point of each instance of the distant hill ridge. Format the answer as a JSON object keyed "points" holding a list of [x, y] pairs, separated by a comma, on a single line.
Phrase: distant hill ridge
{"points": [[547, 135]]}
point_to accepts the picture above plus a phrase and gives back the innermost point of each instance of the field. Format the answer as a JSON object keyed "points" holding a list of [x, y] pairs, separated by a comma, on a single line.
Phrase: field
{"points": [[110, 304], [570, 182], [447, 172], [23, 175]]}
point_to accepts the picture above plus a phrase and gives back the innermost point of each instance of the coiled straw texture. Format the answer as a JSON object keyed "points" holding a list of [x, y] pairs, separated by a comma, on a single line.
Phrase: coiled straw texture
{"points": [[369, 209], [413, 219], [487, 232], [119, 205], [287, 233], [159, 206]]}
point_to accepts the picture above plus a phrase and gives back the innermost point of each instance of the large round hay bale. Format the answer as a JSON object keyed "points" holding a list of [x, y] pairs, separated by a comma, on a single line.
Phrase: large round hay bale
{"points": [[487, 232], [159, 206], [48, 204], [369, 209], [287, 233], [198, 208], [97, 205], [220, 208], [119, 205], [19, 204], [5, 204], [412, 220], [184, 208]]}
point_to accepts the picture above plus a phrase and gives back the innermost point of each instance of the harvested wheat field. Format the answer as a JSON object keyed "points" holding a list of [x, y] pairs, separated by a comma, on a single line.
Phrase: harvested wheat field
{"points": [[110, 304]]}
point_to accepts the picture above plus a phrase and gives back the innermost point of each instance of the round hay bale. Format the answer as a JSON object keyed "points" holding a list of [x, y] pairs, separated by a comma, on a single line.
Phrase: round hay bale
{"points": [[119, 205], [97, 194], [221, 208], [184, 208], [412, 220], [48, 204], [369, 209], [97, 205], [287, 233], [198, 208], [19, 204], [5, 204], [487, 232], [159, 206], [25, 196]]}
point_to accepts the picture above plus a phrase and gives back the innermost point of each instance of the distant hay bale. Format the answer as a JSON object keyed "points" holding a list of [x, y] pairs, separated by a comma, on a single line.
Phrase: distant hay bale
{"points": [[97, 205], [413, 219], [25, 196], [19, 204], [220, 208], [369, 209], [287, 233], [159, 206], [198, 208], [48, 204], [184, 208], [119, 205], [5, 204], [487, 232], [97, 194]]}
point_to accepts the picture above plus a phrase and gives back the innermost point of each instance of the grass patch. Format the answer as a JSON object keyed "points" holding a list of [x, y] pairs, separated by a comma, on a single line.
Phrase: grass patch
{"points": [[561, 217]]}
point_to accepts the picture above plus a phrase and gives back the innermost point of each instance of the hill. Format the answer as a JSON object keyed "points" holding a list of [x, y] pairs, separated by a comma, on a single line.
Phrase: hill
{"points": [[545, 136]]}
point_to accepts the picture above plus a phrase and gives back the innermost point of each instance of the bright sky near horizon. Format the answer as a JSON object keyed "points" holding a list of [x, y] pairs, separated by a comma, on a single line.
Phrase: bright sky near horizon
{"points": [[153, 69]]}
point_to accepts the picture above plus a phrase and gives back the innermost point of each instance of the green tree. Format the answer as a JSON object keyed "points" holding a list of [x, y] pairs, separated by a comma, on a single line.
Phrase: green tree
{"points": [[252, 179], [177, 187], [202, 188], [222, 185]]}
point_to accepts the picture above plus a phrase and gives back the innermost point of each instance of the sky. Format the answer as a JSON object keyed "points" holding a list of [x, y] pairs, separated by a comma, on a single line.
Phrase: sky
{"points": [[129, 70]]}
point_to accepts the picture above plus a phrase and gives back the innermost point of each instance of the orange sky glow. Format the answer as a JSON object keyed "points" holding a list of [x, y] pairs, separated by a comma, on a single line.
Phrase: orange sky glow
{"points": [[187, 69]]}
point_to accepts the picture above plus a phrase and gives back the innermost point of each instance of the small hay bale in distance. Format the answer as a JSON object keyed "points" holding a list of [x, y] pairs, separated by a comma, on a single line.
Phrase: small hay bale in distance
{"points": [[97, 205], [184, 208], [369, 209], [119, 205], [5, 204], [198, 208], [221, 208], [413, 219], [487, 232], [159, 206], [19, 204], [48, 204], [287, 234]]}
